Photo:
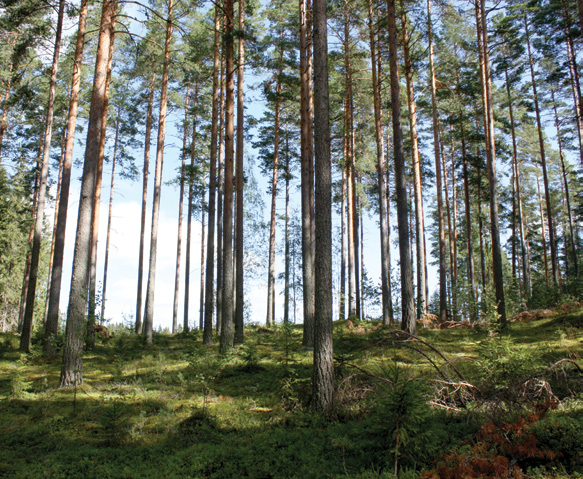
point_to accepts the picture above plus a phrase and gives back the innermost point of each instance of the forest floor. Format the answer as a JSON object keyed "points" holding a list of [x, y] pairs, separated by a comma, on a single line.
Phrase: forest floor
{"points": [[453, 403]]}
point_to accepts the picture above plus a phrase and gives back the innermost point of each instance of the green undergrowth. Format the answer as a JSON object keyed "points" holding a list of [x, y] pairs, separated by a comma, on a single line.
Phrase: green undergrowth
{"points": [[178, 409]]}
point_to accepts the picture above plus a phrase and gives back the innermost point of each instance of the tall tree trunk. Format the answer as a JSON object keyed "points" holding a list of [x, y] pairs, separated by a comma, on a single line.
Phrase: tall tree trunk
{"points": [[228, 277], [210, 254], [5, 107], [286, 291], [239, 180], [90, 339], [342, 303], [486, 81], [323, 370], [438, 182], [220, 208], [407, 290], [517, 189], [349, 212], [481, 231], [109, 215], [185, 325], [180, 208], [149, 313], [543, 232], [202, 263], [566, 189], [418, 194], [306, 177], [450, 231], [553, 245], [39, 221], [23, 294], [72, 368], [144, 202], [270, 319]]}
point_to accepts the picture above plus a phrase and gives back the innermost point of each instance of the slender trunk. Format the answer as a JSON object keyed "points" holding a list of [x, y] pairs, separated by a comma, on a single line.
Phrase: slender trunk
{"points": [[228, 286], [450, 230], [202, 263], [349, 214], [486, 80], [149, 313], [517, 189], [438, 180], [72, 368], [407, 290], [144, 202], [553, 245], [543, 232], [220, 209], [418, 194], [29, 254], [342, 303], [481, 232], [185, 325], [5, 107], [270, 319], [180, 208], [287, 252], [90, 340], [212, 205], [239, 180], [39, 221], [323, 369], [109, 215], [566, 189], [306, 177]]}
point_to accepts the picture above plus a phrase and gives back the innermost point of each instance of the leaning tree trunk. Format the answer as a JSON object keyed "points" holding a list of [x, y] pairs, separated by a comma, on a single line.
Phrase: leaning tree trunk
{"points": [[149, 314], [228, 286], [44, 173], [323, 369], [72, 368], [239, 180], [407, 290]]}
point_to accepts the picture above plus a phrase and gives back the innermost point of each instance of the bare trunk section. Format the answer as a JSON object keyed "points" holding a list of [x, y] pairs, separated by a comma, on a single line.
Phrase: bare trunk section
{"points": [[185, 325], [228, 277], [323, 369], [486, 81], [517, 189], [180, 209], [38, 228], [239, 181], [407, 290], [543, 232], [202, 263], [307, 176], [109, 215], [418, 194], [90, 339], [149, 313], [72, 368], [553, 245], [212, 205], [380, 166], [220, 207], [144, 202], [342, 302], [270, 319], [438, 182]]}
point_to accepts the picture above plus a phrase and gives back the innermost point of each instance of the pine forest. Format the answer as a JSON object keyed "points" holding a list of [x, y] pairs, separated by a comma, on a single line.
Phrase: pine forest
{"points": [[291, 238]]}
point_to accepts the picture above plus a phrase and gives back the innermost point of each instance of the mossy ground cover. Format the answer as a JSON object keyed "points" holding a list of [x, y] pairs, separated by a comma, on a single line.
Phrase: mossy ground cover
{"points": [[178, 409]]}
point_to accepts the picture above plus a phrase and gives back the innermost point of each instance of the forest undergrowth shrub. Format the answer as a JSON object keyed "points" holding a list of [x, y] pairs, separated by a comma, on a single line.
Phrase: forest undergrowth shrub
{"points": [[500, 449]]}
